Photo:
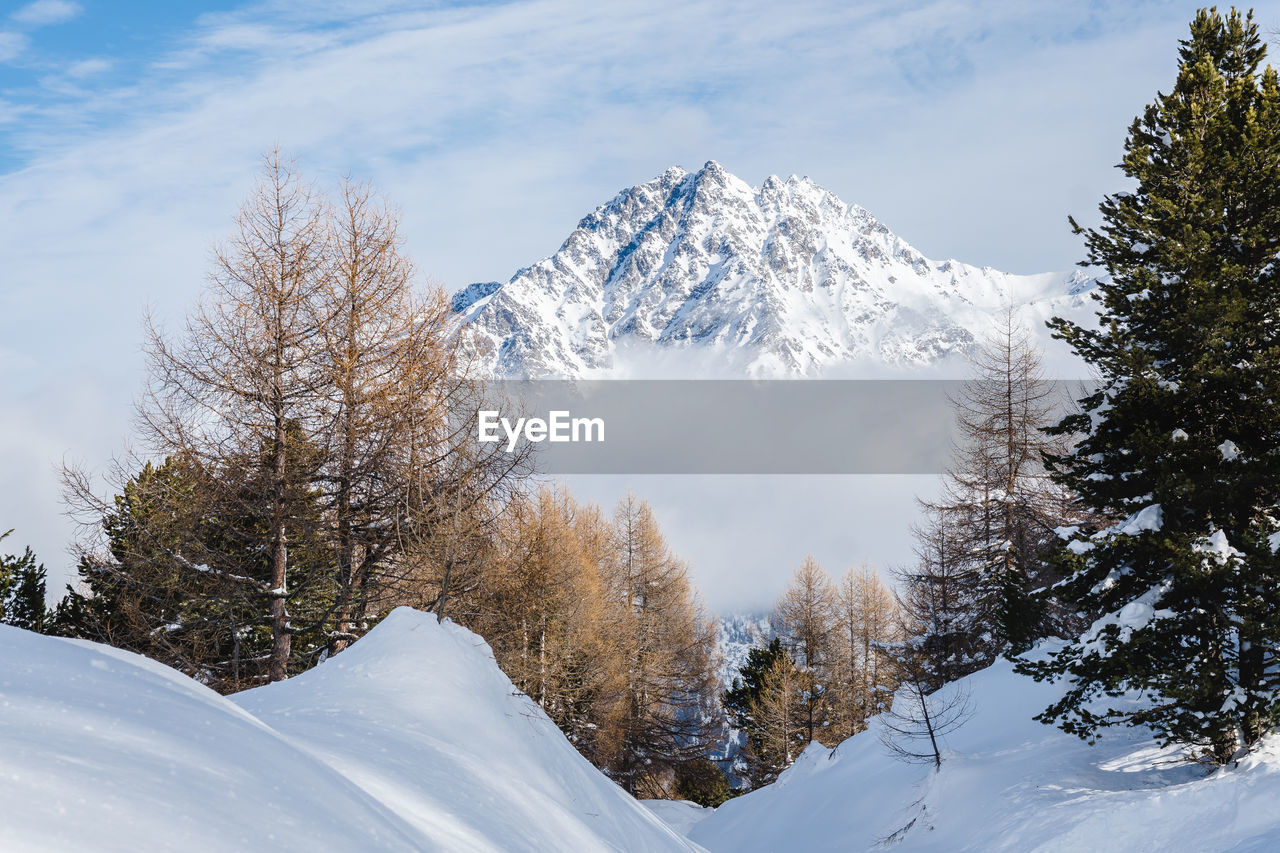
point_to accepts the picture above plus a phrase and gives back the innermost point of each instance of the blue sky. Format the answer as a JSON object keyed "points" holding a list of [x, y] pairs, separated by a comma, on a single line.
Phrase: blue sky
{"points": [[56, 54], [129, 132]]}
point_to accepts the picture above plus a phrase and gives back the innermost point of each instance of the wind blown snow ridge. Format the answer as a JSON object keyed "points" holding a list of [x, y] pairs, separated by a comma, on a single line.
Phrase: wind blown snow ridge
{"points": [[412, 739], [780, 280]]}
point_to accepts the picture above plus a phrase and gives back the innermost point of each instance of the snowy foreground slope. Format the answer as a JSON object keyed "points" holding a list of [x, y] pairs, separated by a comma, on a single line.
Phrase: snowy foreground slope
{"points": [[419, 715], [1007, 783], [412, 739], [105, 750]]}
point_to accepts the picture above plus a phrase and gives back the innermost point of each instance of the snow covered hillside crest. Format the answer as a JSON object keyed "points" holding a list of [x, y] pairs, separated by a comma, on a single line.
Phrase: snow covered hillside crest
{"points": [[783, 280], [412, 739], [1007, 783]]}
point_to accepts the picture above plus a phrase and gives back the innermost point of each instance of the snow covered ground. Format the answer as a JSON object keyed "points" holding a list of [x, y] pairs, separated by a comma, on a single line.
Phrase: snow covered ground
{"points": [[412, 739], [419, 715], [1007, 783], [105, 750], [680, 815]]}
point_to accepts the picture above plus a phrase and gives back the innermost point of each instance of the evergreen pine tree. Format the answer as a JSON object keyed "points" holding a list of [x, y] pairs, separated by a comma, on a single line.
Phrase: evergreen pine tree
{"points": [[701, 781], [22, 587], [750, 679], [180, 577], [766, 705], [1181, 441]]}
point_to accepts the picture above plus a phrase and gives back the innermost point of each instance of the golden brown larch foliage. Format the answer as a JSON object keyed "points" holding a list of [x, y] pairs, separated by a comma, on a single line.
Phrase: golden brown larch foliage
{"points": [[866, 617], [311, 390], [542, 608], [781, 715], [804, 618], [667, 645], [804, 615]]}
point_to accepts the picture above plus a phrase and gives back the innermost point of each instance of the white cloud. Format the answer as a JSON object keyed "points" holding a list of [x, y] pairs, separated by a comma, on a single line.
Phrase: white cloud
{"points": [[11, 45], [44, 12], [8, 113], [88, 67], [744, 535]]}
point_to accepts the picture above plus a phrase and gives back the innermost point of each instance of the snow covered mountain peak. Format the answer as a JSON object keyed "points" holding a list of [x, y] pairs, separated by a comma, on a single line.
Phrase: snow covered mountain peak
{"points": [[778, 280]]}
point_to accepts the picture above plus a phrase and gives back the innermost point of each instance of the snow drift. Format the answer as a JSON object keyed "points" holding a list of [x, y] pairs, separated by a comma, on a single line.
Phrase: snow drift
{"points": [[105, 750], [1007, 783], [419, 715], [412, 739]]}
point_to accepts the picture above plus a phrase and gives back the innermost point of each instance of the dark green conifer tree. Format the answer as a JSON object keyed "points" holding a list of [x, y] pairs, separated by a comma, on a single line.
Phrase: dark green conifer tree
{"points": [[746, 688], [744, 703], [22, 587], [183, 578], [1181, 442]]}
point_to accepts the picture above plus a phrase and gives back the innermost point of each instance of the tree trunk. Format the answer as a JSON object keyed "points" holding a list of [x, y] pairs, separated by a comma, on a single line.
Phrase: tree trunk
{"points": [[280, 637]]}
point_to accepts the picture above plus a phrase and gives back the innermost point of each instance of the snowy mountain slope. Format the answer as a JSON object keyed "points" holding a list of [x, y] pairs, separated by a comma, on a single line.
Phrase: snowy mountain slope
{"points": [[419, 715], [736, 634], [780, 280], [1007, 783], [412, 739], [104, 750]]}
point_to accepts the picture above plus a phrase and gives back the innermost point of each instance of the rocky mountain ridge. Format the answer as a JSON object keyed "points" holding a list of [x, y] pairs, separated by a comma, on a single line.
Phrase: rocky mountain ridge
{"points": [[776, 281]]}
